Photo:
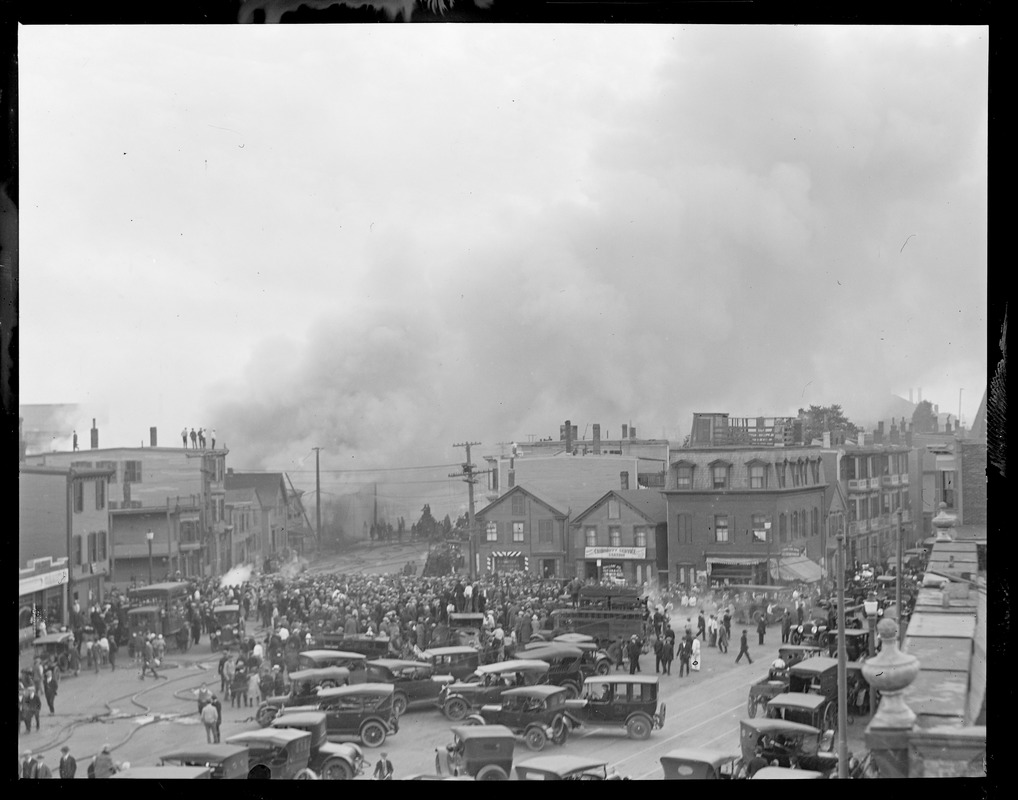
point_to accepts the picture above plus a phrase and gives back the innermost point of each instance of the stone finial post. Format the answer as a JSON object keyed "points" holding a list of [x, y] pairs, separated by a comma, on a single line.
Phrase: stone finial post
{"points": [[943, 524], [890, 672]]}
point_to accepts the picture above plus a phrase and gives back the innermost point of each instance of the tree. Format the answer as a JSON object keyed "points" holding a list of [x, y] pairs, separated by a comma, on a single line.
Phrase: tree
{"points": [[818, 419], [923, 418], [446, 525]]}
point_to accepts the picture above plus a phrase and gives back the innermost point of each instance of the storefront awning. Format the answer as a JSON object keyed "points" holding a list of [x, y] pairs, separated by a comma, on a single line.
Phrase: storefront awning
{"points": [[796, 569], [747, 561]]}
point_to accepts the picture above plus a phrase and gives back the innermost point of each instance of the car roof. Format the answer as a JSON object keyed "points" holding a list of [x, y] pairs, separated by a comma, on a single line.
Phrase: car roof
{"points": [[275, 736], [319, 672], [333, 654], [805, 700], [542, 690], [785, 773], [466, 732], [545, 650], [449, 651], [164, 773], [621, 679], [514, 665], [700, 755], [562, 764], [573, 638], [815, 666], [53, 638], [400, 663], [762, 725], [375, 689], [294, 719], [799, 648], [211, 753]]}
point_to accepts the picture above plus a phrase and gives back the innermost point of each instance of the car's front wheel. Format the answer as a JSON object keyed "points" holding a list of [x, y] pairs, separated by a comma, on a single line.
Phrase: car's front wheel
{"points": [[305, 775], [572, 690], [328, 684], [455, 709], [535, 738], [400, 703], [335, 769], [638, 728], [491, 773], [559, 730], [751, 706], [373, 733], [603, 667], [265, 715]]}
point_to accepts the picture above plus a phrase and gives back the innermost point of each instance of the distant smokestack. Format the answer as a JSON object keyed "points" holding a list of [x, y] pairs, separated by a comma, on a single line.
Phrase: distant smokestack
{"points": [[625, 431], [597, 439], [95, 436], [624, 480], [894, 436], [878, 435], [632, 432], [152, 437], [569, 437]]}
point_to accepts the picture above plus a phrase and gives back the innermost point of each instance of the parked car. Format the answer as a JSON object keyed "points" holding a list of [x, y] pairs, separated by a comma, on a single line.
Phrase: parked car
{"points": [[786, 774], [465, 629], [618, 701], [304, 688], [792, 654], [806, 708], [697, 764], [164, 773], [414, 682], [363, 711], [781, 741], [226, 761], [55, 650], [334, 761], [482, 752], [276, 754], [356, 663], [537, 713], [370, 646], [566, 768], [818, 676], [857, 643], [457, 661], [566, 662], [487, 683]]}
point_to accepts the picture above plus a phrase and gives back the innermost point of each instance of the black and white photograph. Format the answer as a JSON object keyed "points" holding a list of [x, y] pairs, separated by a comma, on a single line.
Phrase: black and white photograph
{"points": [[536, 401]]}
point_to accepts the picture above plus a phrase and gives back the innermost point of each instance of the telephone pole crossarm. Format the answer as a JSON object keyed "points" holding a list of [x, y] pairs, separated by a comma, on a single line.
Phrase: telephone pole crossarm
{"points": [[469, 478]]}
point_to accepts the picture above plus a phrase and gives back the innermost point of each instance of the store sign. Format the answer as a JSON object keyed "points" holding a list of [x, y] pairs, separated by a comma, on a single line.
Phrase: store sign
{"points": [[616, 553], [37, 583]]}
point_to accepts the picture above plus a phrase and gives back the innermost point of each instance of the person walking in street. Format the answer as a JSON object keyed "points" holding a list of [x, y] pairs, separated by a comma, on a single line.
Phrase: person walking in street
{"points": [[658, 650], [634, 650], [744, 647], [103, 764], [712, 631], [786, 626], [726, 620], [42, 769], [694, 657], [28, 767], [761, 627], [685, 654], [49, 688], [114, 647], [219, 713], [31, 707], [210, 719], [667, 651], [148, 658], [383, 769], [701, 627], [722, 639], [68, 766]]}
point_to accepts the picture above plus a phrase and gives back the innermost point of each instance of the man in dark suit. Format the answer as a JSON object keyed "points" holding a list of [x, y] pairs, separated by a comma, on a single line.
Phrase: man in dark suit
{"points": [[68, 766], [744, 647]]}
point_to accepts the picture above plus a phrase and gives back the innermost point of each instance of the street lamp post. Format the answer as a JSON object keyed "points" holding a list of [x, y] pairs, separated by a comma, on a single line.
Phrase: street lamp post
{"points": [[842, 663], [150, 536]]}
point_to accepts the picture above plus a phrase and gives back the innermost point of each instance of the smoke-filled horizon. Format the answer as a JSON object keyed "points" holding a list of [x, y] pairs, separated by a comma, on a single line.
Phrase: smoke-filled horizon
{"points": [[382, 241]]}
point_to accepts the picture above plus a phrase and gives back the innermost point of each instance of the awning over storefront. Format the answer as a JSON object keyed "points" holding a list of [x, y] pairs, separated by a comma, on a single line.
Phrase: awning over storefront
{"points": [[796, 569], [747, 561]]}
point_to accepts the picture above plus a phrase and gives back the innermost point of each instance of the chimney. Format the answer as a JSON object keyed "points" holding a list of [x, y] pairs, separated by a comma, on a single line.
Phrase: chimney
{"points": [[947, 425], [908, 436], [827, 440], [152, 437], [597, 439], [860, 438], [95, 435], [229, 470], [878, 436], [632, 433], [569, 437], [624, 480], [625, 431], [894, 438]]}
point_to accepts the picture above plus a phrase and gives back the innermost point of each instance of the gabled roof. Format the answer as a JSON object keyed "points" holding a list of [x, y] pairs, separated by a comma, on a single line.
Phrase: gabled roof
{"points": [[648, 503], [266, 484], [526, 492], [245, 495]]}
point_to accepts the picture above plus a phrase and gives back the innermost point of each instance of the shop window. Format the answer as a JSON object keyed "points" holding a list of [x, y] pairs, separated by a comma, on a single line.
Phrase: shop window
{"points": [[545, 531], [517, 531], [685, 528], [615, 537], [79, 497], [721, 528]]}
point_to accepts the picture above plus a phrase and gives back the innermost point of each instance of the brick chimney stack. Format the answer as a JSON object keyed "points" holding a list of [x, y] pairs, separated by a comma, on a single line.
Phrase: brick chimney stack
{"points": [[597, 439]]}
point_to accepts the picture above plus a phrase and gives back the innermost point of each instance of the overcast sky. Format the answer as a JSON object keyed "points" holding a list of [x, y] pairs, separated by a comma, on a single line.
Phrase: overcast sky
{"points": [[385, 239]]}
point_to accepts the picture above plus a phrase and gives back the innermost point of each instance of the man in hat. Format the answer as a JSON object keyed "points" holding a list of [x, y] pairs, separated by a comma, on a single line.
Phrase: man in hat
{"points": [[31, 707], [383, 769], [634, 649], [42, 769], [28, 767], [104, 767], [68, 766], [148, 657]]}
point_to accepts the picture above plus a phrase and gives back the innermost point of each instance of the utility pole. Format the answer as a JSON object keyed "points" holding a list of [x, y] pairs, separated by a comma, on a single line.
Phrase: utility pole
{"points": [[469, 478], [842, 663], [318, 497]]}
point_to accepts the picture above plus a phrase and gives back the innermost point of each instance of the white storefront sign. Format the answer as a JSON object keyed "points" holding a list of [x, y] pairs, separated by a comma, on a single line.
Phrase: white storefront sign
{"points": [[616, 553], [37, 583]]}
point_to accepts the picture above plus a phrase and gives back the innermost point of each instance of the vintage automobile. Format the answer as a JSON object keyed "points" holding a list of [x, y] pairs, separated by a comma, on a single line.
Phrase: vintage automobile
{"points": [[226, 761], [465, 629], [536, 713], [763, 690], [594, 660], [277, 754], [363, 711], [566, 768], [818, 676], [857, 643], [792, 654], [333, 761], [781, 741], [482, 752], [414, 682], [804, 707], [164, 773], [605, 613], [457, 661], [305, 686], [618, 701], [487, 683], [785, 774], [811, 631], [230, 627], [750, 601], [698, 764], [356, 663], [55, 650], [566, 662], [370, 646]]}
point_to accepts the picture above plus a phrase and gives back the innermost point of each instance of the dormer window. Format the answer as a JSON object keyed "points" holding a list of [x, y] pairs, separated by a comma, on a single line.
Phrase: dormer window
{"points": [[684, 476], [757, 474], [719, 474]]}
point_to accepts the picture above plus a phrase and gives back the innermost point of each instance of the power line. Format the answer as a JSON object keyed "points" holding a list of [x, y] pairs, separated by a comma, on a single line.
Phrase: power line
{"points": [[345, 471]]}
